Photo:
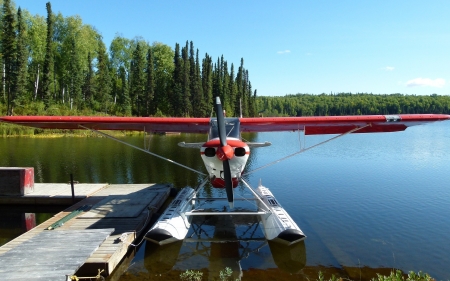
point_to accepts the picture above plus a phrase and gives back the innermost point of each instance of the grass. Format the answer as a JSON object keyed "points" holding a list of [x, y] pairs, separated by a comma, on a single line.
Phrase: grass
{"points": [[11, 130], [396, 275]]}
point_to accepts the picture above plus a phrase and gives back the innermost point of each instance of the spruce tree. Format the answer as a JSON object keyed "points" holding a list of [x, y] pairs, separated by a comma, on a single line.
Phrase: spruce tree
{"points": [[232, 92], [22, 57], [137, 85], [225, 90], [198, 101], [48, 61], [207, 84], [9, 55], [176, 96], [150, 107], [239, 89], [186, 98]]}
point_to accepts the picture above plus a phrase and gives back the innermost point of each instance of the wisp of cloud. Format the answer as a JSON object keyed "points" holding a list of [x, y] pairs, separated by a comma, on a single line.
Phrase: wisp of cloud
{"points": [[437, 83]]}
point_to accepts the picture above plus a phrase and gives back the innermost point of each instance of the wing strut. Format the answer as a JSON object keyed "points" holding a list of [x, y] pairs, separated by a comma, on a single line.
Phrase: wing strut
{"points": [[143, 150], [305, 149]]}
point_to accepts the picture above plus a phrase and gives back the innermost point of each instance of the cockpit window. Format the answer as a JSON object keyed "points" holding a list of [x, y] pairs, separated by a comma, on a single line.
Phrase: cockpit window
{"points": [[232, 127]]}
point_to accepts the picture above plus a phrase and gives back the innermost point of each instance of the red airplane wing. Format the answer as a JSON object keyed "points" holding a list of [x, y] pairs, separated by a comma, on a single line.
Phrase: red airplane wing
{"points": [[311, 125], [148, 124], [339, 124]]}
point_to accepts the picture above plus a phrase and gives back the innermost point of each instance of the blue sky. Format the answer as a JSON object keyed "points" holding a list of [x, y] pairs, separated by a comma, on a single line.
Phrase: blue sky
{"points": [[289, 47]]}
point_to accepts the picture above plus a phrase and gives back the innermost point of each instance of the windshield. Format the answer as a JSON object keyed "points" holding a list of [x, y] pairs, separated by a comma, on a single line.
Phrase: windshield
{"points": [[231, 127]]}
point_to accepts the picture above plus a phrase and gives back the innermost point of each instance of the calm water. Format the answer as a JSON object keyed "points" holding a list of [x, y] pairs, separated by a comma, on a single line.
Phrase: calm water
{"points": [[367, 202]]}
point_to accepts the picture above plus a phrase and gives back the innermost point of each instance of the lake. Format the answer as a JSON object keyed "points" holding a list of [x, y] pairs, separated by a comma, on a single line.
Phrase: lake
{"points": [[367, 202]]}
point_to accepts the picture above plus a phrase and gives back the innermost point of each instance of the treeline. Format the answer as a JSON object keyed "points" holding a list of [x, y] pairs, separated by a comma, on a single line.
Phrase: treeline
{"points": [[59, 66], [351, 104]]}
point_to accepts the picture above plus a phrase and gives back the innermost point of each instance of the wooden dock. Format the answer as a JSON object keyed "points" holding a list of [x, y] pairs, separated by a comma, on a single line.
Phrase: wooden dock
{"points": [[95, 239], [53, 194]]}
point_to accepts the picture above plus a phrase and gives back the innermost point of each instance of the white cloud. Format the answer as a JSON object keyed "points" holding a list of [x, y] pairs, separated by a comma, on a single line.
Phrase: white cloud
{"points": [[389, 68], [437, 83], [284, 52]]}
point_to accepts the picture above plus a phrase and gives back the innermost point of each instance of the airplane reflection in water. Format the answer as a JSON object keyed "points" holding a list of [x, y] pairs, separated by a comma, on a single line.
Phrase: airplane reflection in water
{"points": [[217, 242]]}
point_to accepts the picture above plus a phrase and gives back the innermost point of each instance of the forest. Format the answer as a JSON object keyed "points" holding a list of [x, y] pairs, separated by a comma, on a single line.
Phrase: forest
{"points": [[57, 65], [60, 66]]}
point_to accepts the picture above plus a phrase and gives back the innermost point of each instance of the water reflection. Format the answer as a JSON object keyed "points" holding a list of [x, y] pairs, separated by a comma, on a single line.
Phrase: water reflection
{"points": [[16, 220], [217, 242]]}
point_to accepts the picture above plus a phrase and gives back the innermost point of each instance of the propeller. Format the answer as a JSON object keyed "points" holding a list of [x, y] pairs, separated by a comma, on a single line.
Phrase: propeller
{"points": [[224, 152]]}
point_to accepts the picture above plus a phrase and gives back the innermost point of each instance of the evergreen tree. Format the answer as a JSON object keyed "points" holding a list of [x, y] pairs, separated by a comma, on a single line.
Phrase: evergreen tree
{"points": [[239, 89], [177, 89], [150, 107], [186, 102], [9, 55], [22, 58], [137, 81], [232, 93], [207, 84], [193, 81], [225, 89], [198, 101], [48, 61]]}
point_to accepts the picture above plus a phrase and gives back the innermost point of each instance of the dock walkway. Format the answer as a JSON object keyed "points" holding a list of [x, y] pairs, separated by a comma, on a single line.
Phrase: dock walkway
{"points": [[54, 194], [115, 215]]}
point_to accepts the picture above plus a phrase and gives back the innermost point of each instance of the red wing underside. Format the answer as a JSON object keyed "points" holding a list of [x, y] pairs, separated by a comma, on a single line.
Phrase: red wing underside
{"points": [[311, 125], [148, 124], [339, 124]]}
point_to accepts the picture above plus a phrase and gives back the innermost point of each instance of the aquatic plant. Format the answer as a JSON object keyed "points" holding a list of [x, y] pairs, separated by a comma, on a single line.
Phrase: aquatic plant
{"points": [[191, 275]]}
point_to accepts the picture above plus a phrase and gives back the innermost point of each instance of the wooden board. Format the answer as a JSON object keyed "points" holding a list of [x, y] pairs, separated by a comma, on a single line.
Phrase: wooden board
{"points": [[53, 194], [128, 205], [51, 255]]}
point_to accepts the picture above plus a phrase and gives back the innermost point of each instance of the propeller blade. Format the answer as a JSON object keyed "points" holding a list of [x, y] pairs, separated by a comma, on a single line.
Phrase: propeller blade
{"points": [[223, 144], [221, 123], [228, 183]]}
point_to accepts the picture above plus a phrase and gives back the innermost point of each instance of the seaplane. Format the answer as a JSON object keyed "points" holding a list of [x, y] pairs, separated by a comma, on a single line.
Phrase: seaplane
{"points": [[225, 156]]}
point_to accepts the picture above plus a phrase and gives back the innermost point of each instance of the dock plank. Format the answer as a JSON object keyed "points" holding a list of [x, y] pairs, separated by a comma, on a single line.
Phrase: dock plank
{"points": [[53, 194], [65, 251], [143, 199]]}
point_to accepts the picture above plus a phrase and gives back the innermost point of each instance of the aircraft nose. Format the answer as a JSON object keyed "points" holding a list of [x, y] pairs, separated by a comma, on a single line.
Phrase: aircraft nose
{"points": [[225, 153]]}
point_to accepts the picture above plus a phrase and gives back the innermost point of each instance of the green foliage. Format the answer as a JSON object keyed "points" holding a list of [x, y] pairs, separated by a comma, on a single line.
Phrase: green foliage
{"points": [[8, 45], [64, 63], [191, 275], [21, 58], [138, 81], [351, 104], [396, 275], [48, 60], [133, 77], [226, 274]]}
